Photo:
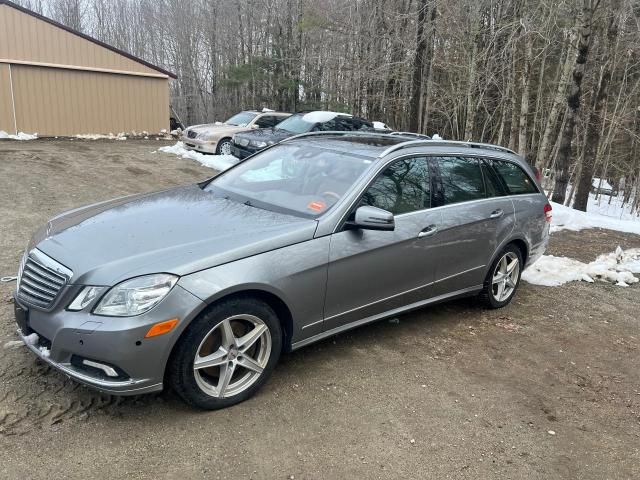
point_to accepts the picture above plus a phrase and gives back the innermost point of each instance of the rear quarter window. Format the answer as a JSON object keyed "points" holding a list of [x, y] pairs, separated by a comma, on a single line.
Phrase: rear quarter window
{"points": [[514, 177]]}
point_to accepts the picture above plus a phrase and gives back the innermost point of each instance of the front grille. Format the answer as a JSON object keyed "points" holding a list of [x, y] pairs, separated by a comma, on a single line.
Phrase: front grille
{"points": [[39, 285], [192, 134]]}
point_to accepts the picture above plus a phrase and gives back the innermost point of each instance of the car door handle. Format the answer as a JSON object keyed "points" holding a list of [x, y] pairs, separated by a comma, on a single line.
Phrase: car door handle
{"points": [[428, 231], [497, 213]]}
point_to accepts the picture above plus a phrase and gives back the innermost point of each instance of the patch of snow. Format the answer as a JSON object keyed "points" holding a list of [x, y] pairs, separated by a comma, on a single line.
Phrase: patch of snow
{"points": [[20, 136], [265, 110], [435, 136], [595, 182], [217, 162], [13, 344], [163, 131], [320, 116], [31, 339], [617, 267], [100, 136], [46, 353], [566, 218], [380, 126]]}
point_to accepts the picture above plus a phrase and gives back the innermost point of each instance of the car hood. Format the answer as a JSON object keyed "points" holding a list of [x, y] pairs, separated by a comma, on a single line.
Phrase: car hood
{"points": [[266, 134], [178, 231]]}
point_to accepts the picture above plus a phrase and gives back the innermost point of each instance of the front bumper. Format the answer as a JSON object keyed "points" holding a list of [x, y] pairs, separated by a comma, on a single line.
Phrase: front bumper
{"points": [[198, 145], [66, 338], [243, 152]]}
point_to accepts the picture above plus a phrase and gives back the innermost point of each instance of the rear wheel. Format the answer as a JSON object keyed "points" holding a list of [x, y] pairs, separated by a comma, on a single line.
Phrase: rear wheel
{"points": [[226, 354], [224, 147], [503, 278]]}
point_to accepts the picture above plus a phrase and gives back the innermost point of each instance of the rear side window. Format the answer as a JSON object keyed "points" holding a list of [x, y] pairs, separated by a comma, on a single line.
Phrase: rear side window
{"points": [[267, 121], [516, 180], [459, 179], [402, 187], [492, 182]]}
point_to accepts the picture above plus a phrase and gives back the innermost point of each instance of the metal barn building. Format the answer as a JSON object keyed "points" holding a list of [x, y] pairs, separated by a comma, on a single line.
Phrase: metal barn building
{"points": [[57, 81]]}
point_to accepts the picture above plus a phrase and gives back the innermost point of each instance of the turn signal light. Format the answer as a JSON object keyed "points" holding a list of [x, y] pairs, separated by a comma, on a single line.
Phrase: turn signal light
{"points": [[547, 212], [162, 328]]}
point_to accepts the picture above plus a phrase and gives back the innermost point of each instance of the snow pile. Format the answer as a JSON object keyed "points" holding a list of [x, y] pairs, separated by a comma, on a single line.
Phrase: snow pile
{"points": [[217, 162], [601, 183], [617, 267], [380, 126], [20, 136], [31, 339], [265, 110], [98, 136], [435, 136], [566, 218]]}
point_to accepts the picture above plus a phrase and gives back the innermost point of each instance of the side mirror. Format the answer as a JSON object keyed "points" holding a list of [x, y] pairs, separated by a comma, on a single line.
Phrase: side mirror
{"points": [[373, 218]]}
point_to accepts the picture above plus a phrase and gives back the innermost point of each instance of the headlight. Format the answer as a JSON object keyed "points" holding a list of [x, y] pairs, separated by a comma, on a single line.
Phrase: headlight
{"points": [[23, 262], [258, 143], [84, 298], [136, 296]]}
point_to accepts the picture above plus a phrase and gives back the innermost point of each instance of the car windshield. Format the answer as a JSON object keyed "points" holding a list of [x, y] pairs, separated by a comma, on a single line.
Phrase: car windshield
{"points": [[296, 124], [241, 119], [293, 178]]}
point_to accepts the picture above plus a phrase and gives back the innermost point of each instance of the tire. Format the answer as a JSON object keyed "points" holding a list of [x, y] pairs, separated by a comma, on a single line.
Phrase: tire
{"points": [[492, 295], [224, 147], [199, 366]]}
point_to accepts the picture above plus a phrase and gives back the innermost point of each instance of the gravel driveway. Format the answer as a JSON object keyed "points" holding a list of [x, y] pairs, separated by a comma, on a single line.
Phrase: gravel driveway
{"points": [[548, 387]]}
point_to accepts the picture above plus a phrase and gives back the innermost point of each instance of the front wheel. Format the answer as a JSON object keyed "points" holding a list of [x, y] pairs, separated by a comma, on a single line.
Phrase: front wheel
{"points": [[224, 147], [503, 278], [226, 354]]}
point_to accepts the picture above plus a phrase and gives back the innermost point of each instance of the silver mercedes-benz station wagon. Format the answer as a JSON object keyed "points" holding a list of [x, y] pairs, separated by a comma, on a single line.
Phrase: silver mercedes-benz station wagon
{"points": [[200, 288]]}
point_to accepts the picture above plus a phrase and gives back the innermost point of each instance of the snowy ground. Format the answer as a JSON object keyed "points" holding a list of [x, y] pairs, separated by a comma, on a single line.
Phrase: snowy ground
{"points": [[618, 267], [217, 162], [20, 136]]}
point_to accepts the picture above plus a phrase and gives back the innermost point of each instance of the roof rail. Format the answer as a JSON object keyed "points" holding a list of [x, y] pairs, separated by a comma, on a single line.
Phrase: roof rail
{"points": [[412, 143], [408, 143], [338, 132]]}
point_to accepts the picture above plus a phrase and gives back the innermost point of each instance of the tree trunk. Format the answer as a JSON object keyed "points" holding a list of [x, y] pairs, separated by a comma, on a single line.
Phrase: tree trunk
{"points": [[546, 143], [594, 127], [573, 103], [418, 67], [524, 104]]}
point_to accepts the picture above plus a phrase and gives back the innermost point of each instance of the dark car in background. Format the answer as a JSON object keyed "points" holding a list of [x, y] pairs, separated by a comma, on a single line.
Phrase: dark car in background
{"points": [[247, 143]]}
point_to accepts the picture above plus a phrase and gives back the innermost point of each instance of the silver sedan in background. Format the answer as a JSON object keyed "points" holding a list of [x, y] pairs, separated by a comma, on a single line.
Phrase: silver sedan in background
{"points": [[200, 288]]}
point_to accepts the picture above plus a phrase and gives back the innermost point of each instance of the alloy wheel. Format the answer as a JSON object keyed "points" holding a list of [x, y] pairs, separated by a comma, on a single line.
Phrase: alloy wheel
{"points": [[232, 356], [225, 148], [505, 277]]}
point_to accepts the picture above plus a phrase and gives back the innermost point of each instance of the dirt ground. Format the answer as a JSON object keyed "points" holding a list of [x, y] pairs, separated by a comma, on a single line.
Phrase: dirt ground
{"points": [[548, 387]]}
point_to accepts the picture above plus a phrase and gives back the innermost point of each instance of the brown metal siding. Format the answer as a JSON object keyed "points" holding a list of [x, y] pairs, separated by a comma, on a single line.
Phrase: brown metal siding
{"points": [[6, 105], [26, 38], [53, 101]]}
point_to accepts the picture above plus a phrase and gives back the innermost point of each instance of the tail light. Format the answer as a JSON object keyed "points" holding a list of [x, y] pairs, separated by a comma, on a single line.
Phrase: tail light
{"points": [[547, 212]]}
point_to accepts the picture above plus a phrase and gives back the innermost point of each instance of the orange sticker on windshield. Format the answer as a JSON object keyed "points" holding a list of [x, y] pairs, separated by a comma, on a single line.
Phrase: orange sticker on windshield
{"points": [[318, 206]]}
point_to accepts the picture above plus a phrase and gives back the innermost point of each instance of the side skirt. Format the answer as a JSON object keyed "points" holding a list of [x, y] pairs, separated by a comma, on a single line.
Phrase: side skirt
{"points": [[390, 313]]}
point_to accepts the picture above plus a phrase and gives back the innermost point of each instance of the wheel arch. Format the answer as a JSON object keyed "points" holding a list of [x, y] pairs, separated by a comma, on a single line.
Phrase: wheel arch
{"points": [[279, 306], [220, 140], [519, 241]]}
